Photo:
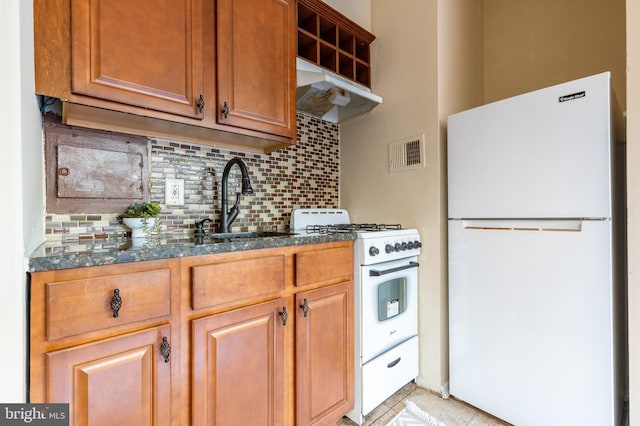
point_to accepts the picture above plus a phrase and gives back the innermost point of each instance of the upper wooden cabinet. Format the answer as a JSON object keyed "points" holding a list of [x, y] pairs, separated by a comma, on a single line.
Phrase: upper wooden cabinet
{"points": [[331, 40], [256, 64], [146, 53], [217, 73]]}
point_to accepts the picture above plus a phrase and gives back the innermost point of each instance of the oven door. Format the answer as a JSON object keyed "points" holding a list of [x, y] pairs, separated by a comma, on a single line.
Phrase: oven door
{"points": [[389, 305]]}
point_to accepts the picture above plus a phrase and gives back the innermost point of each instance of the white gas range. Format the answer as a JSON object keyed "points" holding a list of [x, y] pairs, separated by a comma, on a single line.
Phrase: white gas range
{"points": [[386, 303]]}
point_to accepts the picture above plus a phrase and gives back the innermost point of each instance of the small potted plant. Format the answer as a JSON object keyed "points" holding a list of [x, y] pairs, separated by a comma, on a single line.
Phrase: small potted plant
{"points": [[142, 218]]}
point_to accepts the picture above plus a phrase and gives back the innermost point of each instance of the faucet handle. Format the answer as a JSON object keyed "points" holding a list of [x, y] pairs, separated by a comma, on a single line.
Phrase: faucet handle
{"points": [[199, 231]]}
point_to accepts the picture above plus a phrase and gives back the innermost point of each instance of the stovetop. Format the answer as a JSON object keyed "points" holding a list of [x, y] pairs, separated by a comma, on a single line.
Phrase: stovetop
{"points": [[375, 243], [350, 227], [331, 221]]}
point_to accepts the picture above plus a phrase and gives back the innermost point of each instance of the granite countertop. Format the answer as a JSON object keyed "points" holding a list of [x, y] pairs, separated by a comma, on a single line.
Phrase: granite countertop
{"points": [[56, 255]]}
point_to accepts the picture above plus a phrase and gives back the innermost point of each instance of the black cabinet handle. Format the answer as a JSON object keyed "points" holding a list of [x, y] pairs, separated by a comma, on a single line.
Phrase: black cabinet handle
{"points": [[393, 363], [284, 315], [165, 349], [116, 302], [305, 307], [200, 104], [225, 110]]}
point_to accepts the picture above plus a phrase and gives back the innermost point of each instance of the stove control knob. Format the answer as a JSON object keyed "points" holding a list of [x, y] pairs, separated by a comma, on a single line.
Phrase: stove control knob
{"points": [[388, 248], [403, 246], [417, 244], [397, 246], [373, 251], [410, 245]]}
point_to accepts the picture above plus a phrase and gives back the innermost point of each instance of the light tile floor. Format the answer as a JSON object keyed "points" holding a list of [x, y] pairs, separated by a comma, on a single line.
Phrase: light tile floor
{"points": [[450, 411]]}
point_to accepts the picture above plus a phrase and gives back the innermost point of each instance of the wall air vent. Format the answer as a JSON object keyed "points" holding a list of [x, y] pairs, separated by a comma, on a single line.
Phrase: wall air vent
{"points": [[406, 154]]}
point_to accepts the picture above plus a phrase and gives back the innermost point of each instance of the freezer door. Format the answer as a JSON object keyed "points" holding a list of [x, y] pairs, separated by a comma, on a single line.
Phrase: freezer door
{"points": [[541, 154], [531, 320]]}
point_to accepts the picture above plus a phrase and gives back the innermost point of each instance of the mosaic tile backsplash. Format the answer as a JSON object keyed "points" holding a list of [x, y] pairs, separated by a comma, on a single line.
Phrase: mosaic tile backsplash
{"points": [[302, 176]]}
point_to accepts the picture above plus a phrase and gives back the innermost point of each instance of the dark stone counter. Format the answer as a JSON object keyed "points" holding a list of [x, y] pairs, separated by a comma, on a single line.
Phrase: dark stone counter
{"points": [[52, 256]]}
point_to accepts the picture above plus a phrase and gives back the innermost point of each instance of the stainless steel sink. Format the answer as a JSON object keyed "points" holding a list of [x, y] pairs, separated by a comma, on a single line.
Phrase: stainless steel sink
{"points": [[240, 236]]}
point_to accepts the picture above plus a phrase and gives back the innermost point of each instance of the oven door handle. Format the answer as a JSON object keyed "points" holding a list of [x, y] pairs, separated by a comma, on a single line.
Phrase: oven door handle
{"points": [[375, 273]]}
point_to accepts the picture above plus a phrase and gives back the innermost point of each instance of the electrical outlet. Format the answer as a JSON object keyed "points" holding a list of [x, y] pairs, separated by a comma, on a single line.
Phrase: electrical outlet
{"points": [[174, 192]]}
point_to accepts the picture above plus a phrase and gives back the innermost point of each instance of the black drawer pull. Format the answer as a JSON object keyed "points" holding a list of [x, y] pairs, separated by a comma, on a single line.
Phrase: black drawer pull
{"points": [[393, 363], [284, 315], [116, 302], [305, 308], [200, 104], [165, 349]]}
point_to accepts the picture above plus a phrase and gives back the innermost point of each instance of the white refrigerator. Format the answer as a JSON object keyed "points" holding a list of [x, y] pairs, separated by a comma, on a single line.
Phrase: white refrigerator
{"points": [[536, 254]]}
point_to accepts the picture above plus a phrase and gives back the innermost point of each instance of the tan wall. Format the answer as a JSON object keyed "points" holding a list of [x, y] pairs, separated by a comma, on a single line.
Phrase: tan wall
{"points": [[427, 62], [461, 71], [358, 11], [460, 87], [405, 75], [633, 203], [533, 44]]}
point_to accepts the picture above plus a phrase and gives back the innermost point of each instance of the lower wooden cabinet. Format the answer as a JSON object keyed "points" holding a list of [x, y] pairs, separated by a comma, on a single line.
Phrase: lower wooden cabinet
{"points": [[166, 342], [285, 359], [120, 381], [238, 366], [324, 354], [105, 339], [239, 360]]}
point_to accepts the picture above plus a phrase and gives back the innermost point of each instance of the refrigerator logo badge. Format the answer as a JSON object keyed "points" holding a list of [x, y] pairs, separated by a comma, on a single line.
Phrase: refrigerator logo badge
{"points": [[572, 96]]}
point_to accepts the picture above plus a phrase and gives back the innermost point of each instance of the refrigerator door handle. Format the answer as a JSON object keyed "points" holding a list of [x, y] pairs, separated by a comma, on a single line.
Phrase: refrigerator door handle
{"points": [[553, 225]]}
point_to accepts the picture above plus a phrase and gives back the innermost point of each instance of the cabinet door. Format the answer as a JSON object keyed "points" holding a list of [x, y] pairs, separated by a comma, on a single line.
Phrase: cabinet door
{"points": [[324, 354], [238, 366], [256, 65], [120, 381], [146, 53]]}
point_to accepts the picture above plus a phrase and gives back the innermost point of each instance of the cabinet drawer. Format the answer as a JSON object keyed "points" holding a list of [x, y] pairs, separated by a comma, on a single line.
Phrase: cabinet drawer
{"points": [[223, 283], [81, 306], [388, 372], [328, 265]]}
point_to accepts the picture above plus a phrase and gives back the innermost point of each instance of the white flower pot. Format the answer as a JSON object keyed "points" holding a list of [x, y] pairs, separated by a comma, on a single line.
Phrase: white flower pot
{"points": [[141, 227]]}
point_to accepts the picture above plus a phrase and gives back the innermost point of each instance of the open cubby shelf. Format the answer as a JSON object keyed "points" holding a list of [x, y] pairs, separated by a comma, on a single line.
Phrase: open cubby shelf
{"points": [[331, 40]]}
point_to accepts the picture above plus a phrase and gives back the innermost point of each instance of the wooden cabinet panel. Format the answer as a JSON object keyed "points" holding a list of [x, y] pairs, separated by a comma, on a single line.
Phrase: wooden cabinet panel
{"points": [[119, 175], [225, 282], [146, 53], [238, 364], [256, 65], [92, 170], [121, 381], [327, 265], [324, 354], [80, 306], [331, 40]]}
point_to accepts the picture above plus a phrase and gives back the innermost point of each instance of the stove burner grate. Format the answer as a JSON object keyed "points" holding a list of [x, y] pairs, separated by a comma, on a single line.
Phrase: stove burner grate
{"points": [[351, 227]]}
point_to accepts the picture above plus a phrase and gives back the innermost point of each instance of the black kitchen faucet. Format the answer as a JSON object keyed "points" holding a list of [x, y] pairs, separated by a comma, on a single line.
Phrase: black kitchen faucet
{"points": [[229, 216]]}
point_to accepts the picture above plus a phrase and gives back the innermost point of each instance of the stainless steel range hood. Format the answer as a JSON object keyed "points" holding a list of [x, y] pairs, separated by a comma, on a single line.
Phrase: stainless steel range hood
{"points": [[326, 95]]}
